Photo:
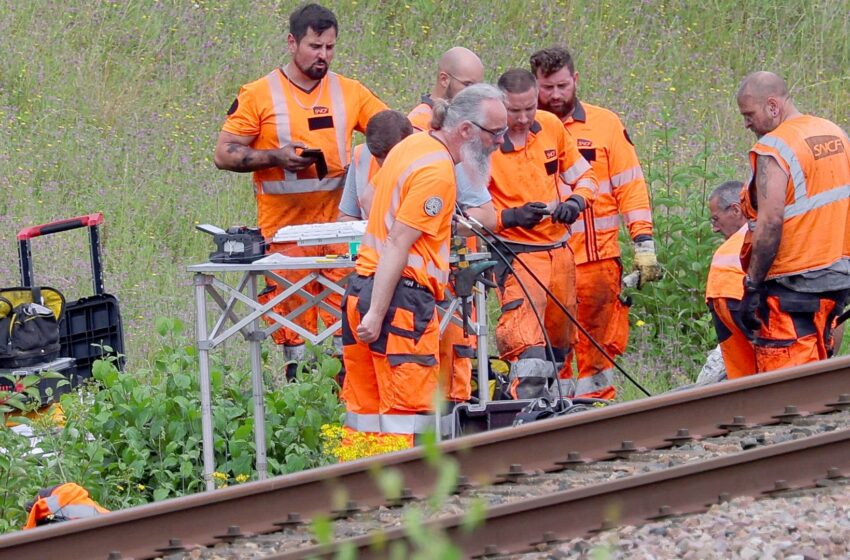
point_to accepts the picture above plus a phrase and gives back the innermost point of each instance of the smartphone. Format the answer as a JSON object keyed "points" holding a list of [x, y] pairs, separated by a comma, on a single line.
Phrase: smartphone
{"points": [[319, 160]]}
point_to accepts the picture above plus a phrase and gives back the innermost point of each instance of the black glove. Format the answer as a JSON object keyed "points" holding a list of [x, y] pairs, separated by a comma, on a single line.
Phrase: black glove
{"points": [[748, 318], [527, 216], [567, 212]]}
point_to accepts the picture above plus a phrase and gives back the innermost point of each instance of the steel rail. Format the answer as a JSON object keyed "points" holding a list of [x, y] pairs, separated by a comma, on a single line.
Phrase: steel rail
{"points": [[632, 500], [595, 435]]}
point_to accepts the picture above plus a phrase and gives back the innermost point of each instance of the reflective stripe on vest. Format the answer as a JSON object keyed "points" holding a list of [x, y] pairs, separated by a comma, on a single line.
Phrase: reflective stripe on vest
{"points": [[596, 382], [69, 511], [290, 183], [605, 222], [390, 423], [576, 170], [644, 215], [802, 201], [364, 190], [726, 260], [413, 260]]}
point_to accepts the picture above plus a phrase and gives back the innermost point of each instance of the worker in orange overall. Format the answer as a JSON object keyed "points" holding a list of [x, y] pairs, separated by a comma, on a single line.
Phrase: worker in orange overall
{"points": [[540, 185], [302, 104], [724, 288], [797, 258], [390, 327], [63, 502], [623, 198]]}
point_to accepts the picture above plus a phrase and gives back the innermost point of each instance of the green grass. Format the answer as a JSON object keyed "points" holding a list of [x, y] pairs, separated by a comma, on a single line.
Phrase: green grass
{"points": [[115, 107]]}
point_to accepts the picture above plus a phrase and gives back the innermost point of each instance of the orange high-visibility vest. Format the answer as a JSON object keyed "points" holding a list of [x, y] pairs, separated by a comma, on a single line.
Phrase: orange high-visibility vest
{"points": [[623, 197], [64, 502], [421, 115], [278, 112], [549, 168], [416, 186], [813, 152], [725, 275]]}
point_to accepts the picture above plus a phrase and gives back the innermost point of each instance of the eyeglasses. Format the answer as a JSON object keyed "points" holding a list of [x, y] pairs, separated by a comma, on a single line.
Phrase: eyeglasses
{"points": [[466, 83], [493, 133]]}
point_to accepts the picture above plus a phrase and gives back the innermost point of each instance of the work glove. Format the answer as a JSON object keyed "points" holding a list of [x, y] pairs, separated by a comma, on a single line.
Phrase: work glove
{"points": [[527, 216], [646, 263], [748, 318], [567, 212]]}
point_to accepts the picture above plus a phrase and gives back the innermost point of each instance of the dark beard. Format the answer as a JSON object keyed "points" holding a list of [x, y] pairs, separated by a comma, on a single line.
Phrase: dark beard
{"points": [[314, 73], [563, 111]]}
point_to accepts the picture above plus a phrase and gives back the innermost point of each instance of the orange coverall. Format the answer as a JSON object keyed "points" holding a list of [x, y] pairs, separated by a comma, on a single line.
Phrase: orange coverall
{"points": [[63, 502], [623, 197], [723, 292], [390, 383], [278, 112], [549, 169]]}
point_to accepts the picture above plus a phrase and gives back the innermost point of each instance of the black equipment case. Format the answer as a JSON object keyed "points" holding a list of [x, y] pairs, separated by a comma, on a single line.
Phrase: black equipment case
{"points": [[90, 322]]}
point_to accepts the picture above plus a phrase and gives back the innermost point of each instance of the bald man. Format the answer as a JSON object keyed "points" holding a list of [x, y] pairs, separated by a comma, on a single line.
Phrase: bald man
{"points": [[457, 69], [797, 256]]}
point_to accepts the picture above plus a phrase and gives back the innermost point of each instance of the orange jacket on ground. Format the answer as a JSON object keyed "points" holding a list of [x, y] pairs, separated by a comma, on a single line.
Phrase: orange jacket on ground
{"points": [[416, 186], [64, 502], [278, 112], [724, 289], [549, 168], [814, 154], [604, 142], [420, 116]]}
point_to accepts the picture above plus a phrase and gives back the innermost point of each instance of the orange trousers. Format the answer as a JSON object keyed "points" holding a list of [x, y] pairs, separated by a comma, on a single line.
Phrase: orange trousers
{"points": [[738, 354], [796, 327], [606, 319], [307, 319], [519, 336], [390, 384]]}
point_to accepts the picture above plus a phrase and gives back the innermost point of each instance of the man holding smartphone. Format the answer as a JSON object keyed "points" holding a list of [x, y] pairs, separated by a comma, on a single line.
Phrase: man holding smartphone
{"points": [[273, 130]]}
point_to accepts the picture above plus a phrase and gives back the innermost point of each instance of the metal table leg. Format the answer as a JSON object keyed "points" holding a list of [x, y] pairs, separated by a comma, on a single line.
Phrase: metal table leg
{"points": [[257, 392], [201, 281]]}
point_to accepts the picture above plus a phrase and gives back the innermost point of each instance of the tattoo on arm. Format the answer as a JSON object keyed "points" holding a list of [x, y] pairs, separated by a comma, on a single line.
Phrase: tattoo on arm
{"points": [[761, 175]]}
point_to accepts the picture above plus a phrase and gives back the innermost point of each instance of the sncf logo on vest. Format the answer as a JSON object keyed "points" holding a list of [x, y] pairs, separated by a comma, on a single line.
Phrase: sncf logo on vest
{"points": [[823, 146]]}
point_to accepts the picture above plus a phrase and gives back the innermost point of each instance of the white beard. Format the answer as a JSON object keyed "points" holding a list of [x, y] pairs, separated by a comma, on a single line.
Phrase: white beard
{"points": [[475, 161]]}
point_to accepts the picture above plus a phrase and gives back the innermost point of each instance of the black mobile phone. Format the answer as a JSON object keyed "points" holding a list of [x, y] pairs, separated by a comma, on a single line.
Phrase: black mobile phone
{"points": [[319, 160]]}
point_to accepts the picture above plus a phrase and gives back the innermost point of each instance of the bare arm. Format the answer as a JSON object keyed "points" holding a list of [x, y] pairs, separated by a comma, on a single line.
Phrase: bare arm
{"points": [[771, 183], [234, 153], [391, 263]]}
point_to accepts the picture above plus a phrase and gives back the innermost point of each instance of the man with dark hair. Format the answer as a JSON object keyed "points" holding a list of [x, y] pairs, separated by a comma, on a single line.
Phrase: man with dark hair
{"points": [[302, 104], [384, 130], [724, 287], [390, 327], [540, 184], [798, 268], [604, 142]]}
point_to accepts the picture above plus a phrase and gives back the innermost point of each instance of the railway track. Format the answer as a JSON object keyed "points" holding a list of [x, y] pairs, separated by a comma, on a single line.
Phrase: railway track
{"points": [[523, 456]]}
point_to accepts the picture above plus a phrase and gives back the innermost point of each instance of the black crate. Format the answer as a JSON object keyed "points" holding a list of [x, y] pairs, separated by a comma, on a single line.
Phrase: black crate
{"points": [[89, 324], [65, 366]]}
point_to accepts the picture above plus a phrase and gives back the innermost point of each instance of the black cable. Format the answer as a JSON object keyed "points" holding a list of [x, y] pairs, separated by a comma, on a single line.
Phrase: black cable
{"points": [[549, 349], [563, 307]]}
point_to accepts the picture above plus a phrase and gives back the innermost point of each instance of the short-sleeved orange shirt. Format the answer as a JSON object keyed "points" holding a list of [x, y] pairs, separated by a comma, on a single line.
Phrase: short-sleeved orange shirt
{"points": [[415, 186], [278, 112]]}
